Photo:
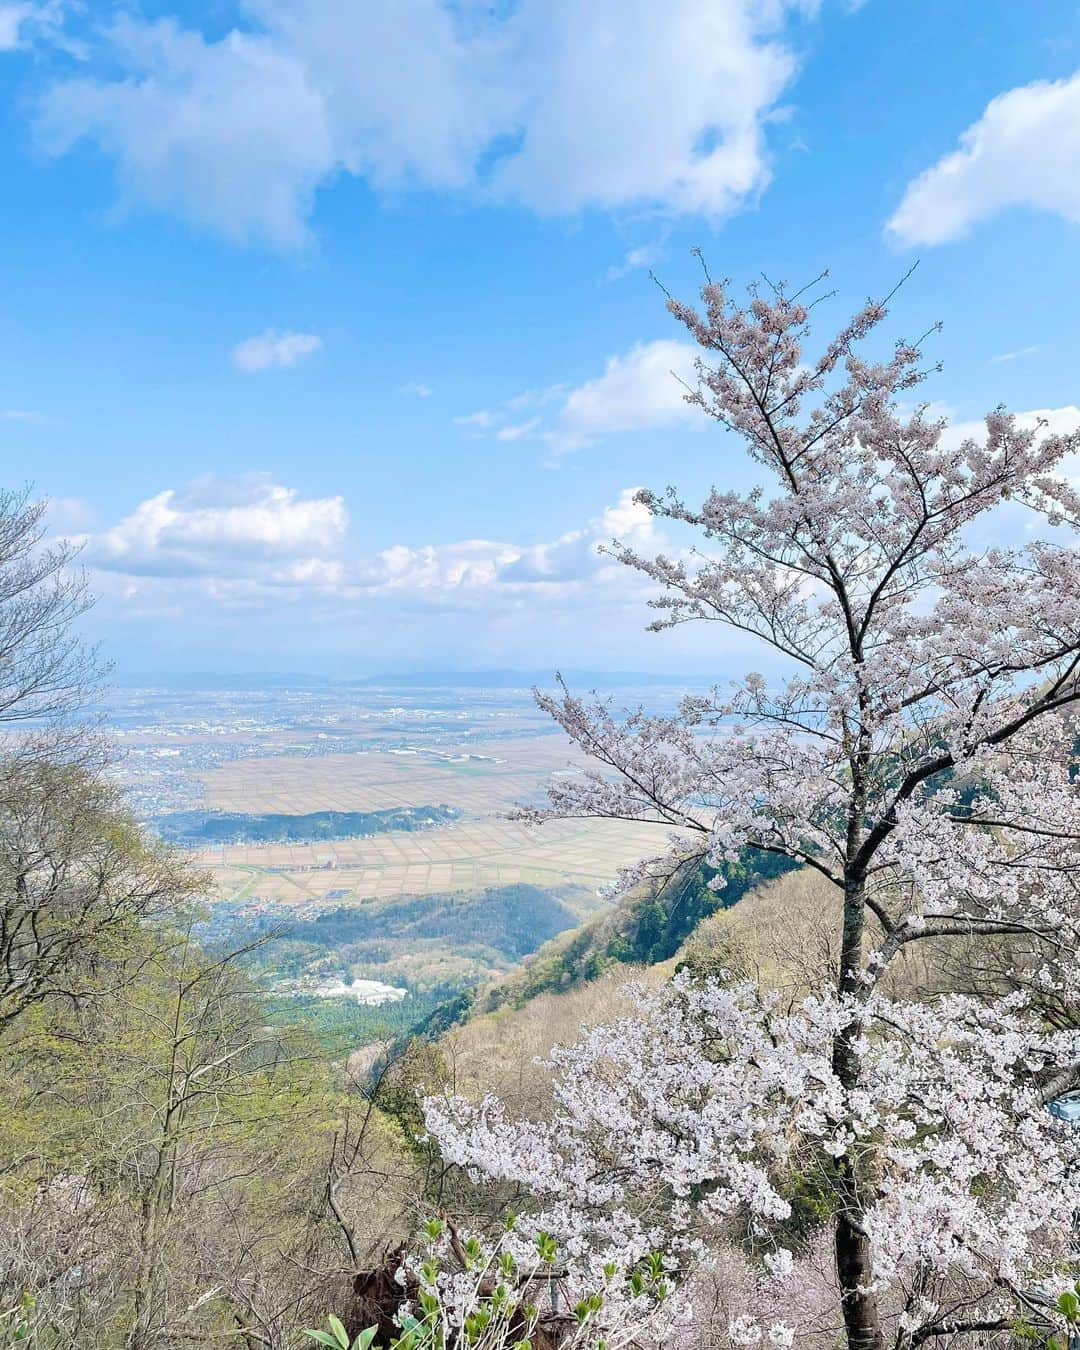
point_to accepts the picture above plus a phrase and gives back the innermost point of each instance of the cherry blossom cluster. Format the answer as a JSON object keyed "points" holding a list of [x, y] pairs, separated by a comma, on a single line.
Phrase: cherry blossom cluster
{"points": [[701, 1108], [514, 1290]]}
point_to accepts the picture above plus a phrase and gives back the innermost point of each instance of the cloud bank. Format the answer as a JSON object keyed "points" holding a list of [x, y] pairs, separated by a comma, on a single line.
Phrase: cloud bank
{"points": [[551, 104], [250, 541]]}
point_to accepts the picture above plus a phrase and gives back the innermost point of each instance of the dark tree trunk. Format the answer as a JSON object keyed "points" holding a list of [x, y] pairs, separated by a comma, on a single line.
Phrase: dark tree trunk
{"points": [[853, 1268], [854, 1265]]}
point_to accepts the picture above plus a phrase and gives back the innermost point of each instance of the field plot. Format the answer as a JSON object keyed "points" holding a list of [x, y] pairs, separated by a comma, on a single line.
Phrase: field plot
{"points": [[457, 857], [481, 777], [481, 849]]}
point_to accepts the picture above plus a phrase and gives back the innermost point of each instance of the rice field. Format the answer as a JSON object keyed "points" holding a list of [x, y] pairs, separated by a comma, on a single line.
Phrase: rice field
{"points": [[483, 848]]}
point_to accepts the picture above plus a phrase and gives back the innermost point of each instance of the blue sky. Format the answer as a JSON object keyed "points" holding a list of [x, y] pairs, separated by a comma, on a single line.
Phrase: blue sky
{"points": [[328, 326]]}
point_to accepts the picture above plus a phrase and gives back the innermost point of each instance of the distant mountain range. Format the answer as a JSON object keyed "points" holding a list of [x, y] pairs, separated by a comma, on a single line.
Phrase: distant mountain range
{"points": [[427, 679]]}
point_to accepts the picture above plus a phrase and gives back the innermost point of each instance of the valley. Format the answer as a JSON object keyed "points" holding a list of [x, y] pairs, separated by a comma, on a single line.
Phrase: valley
{"points": [[362, 836]]}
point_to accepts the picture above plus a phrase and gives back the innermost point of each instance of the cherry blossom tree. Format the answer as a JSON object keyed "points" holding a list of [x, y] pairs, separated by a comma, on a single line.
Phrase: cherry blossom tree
{"points": [[916, 750]]}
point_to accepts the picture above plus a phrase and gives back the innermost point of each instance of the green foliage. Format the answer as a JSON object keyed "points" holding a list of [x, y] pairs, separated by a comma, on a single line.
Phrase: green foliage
{"points": [[78, 880], [812, 1201], [648, 927], [169, 1109], [439, 947], [511, 920], [16, 1322], [1067, 1308], [418, 1069], [338, 1338], [199, 829], [341, 1025]]}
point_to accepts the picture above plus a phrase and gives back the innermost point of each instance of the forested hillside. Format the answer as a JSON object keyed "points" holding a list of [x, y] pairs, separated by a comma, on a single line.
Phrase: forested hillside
{"points": [[441, 949], [646, 927]]}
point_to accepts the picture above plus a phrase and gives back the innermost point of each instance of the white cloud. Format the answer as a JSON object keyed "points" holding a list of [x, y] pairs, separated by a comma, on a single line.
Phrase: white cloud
{"points": [[485, 572], [415, 389], [12, 18], [435, 574], [596, 76], [1013, 356], [575, 556], [232, 527], [549, 103], [644, 388], [644, 255], [69, 515], [1023, 151], [477, 421], [1057, 422], [515, 432], [229, 134], [28, 23], [274, 350], [468, 603], [26, 415]]}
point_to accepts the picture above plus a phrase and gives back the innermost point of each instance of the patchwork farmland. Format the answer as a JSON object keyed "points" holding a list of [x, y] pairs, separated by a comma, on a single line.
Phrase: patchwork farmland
{"points": [[483, 780]]}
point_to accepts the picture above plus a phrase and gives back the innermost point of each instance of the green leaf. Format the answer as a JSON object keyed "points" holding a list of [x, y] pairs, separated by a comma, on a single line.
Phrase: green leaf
{"points": [[337, 1327], [1069, 1305], [363, 1341], [323, 1338]]}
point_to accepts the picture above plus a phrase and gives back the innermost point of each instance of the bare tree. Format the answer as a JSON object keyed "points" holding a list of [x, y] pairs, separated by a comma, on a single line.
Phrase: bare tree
{"points": [[76, 878], [46, 671]]}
